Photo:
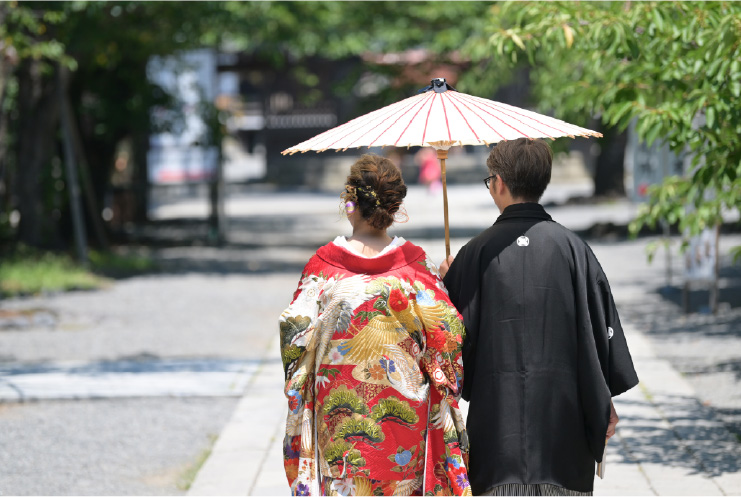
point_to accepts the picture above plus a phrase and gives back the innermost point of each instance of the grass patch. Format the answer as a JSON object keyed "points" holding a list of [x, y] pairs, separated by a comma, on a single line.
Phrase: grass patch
{"points": [[188, 476], [26, 271], [29, 272]]}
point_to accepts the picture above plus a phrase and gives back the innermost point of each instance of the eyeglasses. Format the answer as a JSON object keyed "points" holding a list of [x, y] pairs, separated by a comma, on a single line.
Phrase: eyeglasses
{"points": [[487, 180]]}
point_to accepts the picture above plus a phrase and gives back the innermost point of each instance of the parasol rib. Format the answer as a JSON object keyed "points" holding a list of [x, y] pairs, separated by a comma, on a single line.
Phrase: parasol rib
{"points": [[316, 142], [427, 119], [397, 120], [503, 122], [531, 115], [528, 124], [464, 102], [465, 120], [391, 111], [410, 121], [561, 132], [351, 127], [445, 113]]}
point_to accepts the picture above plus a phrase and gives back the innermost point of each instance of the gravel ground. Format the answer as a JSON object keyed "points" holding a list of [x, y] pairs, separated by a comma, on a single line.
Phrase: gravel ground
{"points": [[106, 447], [160, 316], [141, 446]]}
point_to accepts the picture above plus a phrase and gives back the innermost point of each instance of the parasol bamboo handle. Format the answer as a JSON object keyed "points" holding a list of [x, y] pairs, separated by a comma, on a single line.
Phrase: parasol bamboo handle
{"points": [[442, 155]]}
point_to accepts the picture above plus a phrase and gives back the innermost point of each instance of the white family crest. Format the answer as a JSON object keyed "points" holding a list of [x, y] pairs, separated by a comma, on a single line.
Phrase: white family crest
{"points": [[523, 241]]}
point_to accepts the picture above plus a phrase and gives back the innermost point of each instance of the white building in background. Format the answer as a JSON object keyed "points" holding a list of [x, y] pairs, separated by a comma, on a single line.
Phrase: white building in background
{"points": [[183, 155]]}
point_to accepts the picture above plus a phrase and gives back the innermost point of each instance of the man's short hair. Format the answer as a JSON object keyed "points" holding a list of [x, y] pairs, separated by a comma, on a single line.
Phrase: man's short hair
{"points": [[524, 165]]}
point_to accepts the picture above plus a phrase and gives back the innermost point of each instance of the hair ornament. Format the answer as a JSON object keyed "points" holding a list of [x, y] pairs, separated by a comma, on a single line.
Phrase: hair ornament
{"points": [[349, 195], [370, 192]]}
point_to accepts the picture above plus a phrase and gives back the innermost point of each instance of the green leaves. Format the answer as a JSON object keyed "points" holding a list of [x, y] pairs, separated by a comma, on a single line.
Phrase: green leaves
{"points": [[665, 64]]}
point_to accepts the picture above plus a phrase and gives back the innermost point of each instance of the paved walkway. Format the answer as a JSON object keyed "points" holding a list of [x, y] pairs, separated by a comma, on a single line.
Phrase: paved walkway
{"points": [[667, 442]]}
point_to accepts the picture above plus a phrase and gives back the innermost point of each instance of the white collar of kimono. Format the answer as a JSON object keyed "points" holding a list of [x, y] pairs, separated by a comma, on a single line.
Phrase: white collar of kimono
{"points": [[341, 241]]}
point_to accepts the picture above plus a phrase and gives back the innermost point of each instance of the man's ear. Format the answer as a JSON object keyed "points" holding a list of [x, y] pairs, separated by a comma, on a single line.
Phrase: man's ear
{"points": [[501, 187]]}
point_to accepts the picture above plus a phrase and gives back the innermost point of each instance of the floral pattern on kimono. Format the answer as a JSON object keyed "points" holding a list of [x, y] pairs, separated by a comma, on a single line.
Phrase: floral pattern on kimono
{"points": [[371, 349]]}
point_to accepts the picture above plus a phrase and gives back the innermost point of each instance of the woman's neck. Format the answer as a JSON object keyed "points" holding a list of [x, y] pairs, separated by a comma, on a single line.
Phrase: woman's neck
{"points": [[367, 240]]}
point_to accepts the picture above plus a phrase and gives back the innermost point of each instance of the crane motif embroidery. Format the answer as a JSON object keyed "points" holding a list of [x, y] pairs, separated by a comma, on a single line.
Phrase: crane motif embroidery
{"points": [[378, 341]]}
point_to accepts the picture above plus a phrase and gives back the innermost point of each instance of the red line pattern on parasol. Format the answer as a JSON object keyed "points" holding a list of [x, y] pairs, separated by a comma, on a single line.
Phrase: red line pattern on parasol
{"points": [[445, 112], [502, 121], [452, 101], [411, 120], [372, 142], [427, 119]]}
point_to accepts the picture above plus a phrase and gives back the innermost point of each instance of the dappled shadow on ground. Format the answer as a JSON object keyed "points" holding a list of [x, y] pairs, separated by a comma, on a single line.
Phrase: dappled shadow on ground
{"points": [[662, 315], [704, 347], [227, 260], [197, 232], [697, 297], [694, 437], [662, 312]]}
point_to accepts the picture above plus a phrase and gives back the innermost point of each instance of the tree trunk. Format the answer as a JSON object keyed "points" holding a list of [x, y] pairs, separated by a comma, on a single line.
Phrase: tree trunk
{"points": [[38, 122], [140, 183], [609, 172], [217, 217], [70, 163], [8, 61], [5, 74]]}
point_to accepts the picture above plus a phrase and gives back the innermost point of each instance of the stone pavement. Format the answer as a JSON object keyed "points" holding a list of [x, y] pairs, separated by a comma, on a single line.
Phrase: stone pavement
{"points": [[667, 442], [126, 378]]}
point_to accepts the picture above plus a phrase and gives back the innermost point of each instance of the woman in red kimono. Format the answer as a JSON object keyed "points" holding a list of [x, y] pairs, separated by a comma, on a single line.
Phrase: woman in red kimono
{"points": [[371, 347]]}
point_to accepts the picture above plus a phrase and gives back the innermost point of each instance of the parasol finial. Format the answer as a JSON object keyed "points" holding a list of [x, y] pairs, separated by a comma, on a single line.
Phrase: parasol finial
{"points": [[439, 85]]}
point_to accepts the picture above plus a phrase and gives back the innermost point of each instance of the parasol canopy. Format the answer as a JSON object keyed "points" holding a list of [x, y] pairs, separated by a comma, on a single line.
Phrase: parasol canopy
{"points": [[441, 117], [440, 114]]}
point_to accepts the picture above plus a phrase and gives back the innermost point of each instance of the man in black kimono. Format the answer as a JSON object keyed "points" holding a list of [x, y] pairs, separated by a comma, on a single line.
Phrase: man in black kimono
{"points": [[544, 350]]}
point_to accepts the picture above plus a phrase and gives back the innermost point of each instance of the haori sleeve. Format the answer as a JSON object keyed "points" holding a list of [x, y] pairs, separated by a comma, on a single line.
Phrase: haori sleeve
{"points": [[605, 368], [297, 324], [611, 345]]}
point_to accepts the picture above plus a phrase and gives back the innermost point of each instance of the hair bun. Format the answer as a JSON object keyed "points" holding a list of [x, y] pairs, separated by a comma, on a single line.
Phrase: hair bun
{"points": [[378, 189]]}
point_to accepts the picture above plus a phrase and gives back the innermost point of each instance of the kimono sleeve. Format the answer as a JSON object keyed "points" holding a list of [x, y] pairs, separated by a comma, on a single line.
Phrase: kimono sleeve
{"points": [[297, 324], [605, 365], [298, 320], [447, 439], [444, 333]]}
